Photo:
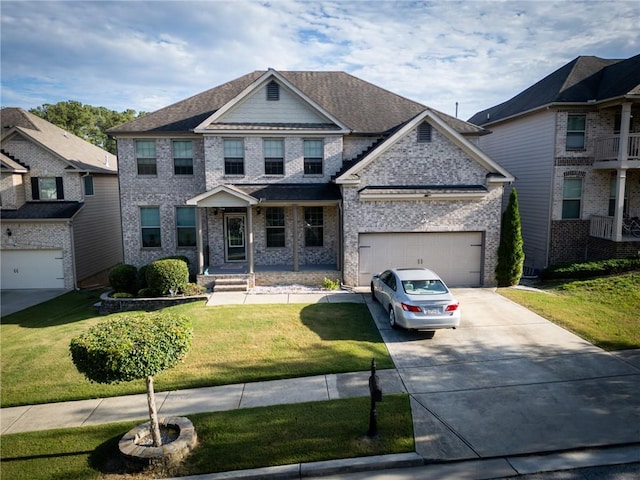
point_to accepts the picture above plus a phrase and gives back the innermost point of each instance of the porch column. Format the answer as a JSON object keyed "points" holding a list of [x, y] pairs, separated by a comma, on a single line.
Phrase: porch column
{"points": [[250, 232], [623, 146], [295, 239], [621, 180], [199, 240]]}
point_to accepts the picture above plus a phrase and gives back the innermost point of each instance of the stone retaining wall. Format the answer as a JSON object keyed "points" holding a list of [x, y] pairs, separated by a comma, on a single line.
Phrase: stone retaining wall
{"points": [[110, 305]]}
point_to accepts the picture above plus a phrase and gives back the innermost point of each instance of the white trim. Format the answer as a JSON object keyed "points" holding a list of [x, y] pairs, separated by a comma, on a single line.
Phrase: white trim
{"points": [[366, 197], [258, 83], [222, 189]]}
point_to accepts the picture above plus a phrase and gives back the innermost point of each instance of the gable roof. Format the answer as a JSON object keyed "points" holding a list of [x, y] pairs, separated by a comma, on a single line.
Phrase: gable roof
{"points": [[497, 173], [360, 106], [583, 80], [76, 152]]}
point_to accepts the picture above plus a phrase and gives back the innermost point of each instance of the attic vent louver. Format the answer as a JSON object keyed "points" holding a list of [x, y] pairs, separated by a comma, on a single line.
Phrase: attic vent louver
{"points": [[273, 91], [424, 133]]}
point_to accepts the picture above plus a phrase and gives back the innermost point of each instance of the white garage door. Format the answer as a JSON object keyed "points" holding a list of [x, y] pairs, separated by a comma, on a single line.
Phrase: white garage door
{"points": [[455, 256], [32, 269]]}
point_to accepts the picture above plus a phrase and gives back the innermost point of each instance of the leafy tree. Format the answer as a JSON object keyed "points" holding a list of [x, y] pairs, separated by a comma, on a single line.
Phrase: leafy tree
{"points": [[510, 251], [86, 121], [133, 346]]}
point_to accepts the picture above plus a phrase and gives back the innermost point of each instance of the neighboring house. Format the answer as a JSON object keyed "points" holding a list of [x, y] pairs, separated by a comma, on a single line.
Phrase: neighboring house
{"points": [[572, 140], [60, 206], [289, 177]]}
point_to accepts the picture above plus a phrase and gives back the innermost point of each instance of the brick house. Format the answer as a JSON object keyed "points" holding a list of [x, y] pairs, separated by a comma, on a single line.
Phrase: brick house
{"points": [[290, 177], [572, 140], [59, 206]]}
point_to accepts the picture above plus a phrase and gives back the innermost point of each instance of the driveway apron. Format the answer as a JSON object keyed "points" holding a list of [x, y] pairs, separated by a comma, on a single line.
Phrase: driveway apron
{"points": [[509, 382]]}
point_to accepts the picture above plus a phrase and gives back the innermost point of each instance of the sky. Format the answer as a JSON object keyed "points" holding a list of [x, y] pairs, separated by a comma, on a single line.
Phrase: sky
{"points": [[146, 55]]}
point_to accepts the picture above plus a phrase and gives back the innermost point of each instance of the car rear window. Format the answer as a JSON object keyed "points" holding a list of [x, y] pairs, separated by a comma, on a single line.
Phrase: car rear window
{"points": [[424, 287]]}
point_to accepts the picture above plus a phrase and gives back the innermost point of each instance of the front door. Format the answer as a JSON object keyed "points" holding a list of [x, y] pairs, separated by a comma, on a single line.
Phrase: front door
{"points": [[235, 235]]}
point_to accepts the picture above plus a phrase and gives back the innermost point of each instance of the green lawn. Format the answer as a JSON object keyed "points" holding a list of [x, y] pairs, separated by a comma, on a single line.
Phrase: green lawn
{"points": [[604, 311], [233, 440], [231, 344]]}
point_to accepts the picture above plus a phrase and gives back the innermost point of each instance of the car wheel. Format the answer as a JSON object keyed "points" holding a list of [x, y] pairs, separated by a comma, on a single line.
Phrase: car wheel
{"points": [[429, 334], [392, 318], [373, 294]]}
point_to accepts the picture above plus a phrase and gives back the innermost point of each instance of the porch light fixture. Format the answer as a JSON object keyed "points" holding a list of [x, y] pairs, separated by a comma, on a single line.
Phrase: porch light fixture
{"points": [[8, 232], [258, 210], [215, 211]]}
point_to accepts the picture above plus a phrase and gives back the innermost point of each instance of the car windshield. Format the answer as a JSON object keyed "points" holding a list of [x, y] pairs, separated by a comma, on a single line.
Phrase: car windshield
{"points": [[424, 287]]}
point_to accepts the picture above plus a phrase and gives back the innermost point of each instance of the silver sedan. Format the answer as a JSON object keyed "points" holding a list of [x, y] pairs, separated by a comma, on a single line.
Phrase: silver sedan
{"points": [[416, 299]]}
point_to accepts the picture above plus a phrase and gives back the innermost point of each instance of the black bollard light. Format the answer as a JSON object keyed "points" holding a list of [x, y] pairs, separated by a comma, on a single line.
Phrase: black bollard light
{"points": [[376, 396]]}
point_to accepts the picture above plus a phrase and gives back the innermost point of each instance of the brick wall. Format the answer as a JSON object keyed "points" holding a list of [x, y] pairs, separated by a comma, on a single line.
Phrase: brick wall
{"points": [[568, 241]]}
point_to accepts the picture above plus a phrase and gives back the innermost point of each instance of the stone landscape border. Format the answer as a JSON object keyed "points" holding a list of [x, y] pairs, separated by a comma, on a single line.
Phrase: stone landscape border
{"points": [[109, 305]]}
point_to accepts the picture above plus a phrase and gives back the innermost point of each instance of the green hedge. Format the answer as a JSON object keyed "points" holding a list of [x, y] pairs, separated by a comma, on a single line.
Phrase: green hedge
{"points": [[590, 269], [124, 278], [167, 276]]}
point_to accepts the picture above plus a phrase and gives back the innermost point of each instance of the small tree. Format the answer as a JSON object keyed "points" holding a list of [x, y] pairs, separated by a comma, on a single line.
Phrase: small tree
{"points": [[510, 251], [133, 346]]}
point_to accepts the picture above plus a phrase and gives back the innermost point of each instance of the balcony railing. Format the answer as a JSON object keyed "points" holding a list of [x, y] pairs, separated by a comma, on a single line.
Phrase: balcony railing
{"points": [[601, 227], [607, 148]]}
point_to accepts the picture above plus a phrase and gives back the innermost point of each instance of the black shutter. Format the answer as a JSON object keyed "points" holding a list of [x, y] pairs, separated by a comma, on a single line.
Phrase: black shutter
{"points": [[35, 191], [59, 189]]}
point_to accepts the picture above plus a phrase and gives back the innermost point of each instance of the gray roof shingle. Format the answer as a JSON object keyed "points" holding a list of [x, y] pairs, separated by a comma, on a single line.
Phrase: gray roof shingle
{"points": [[582, 80], [287, 192], [43, 211], [363, 107]]}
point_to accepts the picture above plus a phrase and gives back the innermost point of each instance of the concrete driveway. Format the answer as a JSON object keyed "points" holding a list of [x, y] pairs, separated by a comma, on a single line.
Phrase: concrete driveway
{"points": [[509, 382], [12, 301]]}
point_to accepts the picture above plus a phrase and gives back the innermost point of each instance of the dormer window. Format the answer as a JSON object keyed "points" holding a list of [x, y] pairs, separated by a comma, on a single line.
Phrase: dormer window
{"points": [[424, 133], [273, 91]]}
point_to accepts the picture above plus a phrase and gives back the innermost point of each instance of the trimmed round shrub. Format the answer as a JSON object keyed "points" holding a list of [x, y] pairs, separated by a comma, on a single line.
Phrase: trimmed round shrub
{"points": [[131, 346], [124, 278], [142, 277], [146, 293], [190, 289], [167, 277]]}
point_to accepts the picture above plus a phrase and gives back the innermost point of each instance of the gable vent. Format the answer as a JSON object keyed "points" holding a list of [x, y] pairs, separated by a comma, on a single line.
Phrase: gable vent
{"points": [[273, 91], [424, 133]]}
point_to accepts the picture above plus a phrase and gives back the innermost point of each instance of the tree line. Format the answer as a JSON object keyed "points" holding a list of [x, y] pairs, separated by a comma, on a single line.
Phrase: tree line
{"points": [[86, 121]]}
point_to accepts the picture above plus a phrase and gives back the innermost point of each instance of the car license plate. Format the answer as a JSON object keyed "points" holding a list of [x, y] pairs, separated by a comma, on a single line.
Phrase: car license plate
{"points": [[432, 311]]}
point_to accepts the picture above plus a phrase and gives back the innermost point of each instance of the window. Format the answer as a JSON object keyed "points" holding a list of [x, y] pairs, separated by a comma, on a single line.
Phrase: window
{"points": [[273, 91], [186, 226], [88, 185], [233, 157], [576, 126], [183, 157], [273, 156], [313, 232], [571, 198], [313, 155], [146, 157], [47, 188], [274, 218], [424, 133], [150, 226]]}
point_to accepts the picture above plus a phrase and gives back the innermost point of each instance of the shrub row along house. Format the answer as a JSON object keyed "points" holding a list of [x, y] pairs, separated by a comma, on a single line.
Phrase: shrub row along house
{"points": [[59, 204], [573, 142], [293, 176]]}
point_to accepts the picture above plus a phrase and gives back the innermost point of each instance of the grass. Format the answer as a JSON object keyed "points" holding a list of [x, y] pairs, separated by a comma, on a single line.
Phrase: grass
{"points": [[232, 344], [233, 440], [603, 311]]}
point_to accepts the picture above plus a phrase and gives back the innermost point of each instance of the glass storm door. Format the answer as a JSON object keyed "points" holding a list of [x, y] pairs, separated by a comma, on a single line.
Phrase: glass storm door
{"points": [[235, 244]]}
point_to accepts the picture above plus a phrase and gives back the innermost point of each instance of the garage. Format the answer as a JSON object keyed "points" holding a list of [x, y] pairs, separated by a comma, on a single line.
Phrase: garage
{"points": [[32, 269], [455, 256]]}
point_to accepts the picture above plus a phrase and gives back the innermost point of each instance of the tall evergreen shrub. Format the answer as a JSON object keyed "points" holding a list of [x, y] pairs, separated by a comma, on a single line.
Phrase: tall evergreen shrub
{"points": [[510, 251]]}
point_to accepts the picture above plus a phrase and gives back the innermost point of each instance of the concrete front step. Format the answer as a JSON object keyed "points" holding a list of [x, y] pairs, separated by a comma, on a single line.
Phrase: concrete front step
{"points": [[231, 284]]}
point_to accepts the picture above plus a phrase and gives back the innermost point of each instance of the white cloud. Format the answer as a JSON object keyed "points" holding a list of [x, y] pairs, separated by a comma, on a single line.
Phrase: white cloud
{"points": [[146, 55]]}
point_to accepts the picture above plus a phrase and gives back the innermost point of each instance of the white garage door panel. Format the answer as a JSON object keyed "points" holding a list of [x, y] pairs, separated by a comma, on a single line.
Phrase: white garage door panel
{"points": [[32, 269], [455, 256]]}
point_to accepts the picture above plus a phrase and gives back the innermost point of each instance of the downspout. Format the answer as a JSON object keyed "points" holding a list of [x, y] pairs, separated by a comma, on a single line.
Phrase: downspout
{"points": [[73, 255]]}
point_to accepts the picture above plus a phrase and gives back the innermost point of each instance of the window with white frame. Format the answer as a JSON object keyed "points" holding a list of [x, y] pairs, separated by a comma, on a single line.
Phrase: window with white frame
{"points": [[273, 156], [576, 129], [87, 182], [233, 156], [274, 220], [313, 156], [183, 157], [146, 157], [186, 226], [150, 227], [314, 227], [571, 197]]}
